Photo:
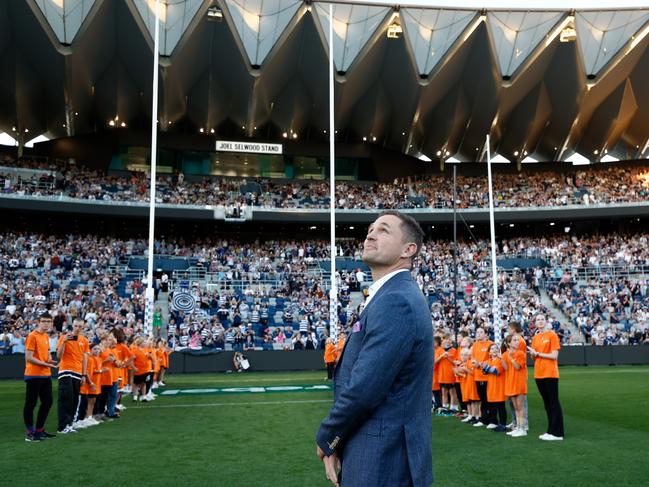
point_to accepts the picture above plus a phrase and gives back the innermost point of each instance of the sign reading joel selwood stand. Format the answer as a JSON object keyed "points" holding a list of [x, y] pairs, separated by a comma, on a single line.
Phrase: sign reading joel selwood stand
{"points": [[249, 147]]}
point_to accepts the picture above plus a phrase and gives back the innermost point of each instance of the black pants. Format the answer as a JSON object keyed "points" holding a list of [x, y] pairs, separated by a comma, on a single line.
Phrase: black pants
{"points": [[549, 390], [484, 405], [496, 413], [437, 397], [458, 391], [102, 400], [330, 370], [68, 400], [37, 389]]}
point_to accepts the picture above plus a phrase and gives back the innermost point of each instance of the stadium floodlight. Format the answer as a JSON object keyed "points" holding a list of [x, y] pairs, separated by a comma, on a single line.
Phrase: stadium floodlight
{"points": [[394, 29], [201, 130], [214, 14]]}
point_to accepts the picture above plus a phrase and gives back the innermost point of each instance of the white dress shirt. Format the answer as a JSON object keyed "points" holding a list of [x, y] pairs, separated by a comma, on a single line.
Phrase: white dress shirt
{"points": [[375, 286]]}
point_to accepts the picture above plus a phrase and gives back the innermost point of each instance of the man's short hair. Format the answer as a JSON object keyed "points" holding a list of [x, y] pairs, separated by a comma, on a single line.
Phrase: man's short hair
{"points": [[45, 316], [411, 229]]}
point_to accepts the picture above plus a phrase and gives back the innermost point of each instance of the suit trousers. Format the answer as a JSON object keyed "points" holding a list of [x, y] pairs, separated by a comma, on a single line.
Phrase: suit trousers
{"points": [[549, 390], [38, 388], [68, 400]]}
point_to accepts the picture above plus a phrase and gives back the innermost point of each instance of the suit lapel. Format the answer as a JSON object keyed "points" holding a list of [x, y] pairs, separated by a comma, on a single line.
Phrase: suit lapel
{"points": [[393, 280]]}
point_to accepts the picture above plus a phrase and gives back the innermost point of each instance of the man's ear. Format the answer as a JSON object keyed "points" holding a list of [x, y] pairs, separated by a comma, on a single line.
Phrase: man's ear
{"points": [[410, 251]]}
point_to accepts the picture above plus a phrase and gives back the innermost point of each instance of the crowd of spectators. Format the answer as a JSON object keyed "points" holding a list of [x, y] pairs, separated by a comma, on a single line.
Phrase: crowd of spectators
{"points": [[274, 294], [607, 185]]}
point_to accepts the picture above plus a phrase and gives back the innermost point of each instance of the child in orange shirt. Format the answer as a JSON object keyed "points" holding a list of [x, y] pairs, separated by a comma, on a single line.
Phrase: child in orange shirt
{"points": [[437, 396], [467, 383], [447, 377], [330, 357], [515, 364], [496, 411], [91, 387]]}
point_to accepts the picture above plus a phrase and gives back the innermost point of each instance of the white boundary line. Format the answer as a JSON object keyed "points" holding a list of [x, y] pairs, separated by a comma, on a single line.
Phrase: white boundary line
{"points": [[233, 403]]}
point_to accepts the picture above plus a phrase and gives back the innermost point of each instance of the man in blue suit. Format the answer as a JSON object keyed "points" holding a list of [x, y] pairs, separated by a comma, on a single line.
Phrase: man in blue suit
{"points": [[378, 432]]}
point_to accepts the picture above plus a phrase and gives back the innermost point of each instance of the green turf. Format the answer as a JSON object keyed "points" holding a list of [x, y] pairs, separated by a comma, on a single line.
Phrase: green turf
{"points": [[267, 439]]}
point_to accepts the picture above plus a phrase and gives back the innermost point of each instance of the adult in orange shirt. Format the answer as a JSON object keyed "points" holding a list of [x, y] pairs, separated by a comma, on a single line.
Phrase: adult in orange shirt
{"points": [[515, 364], [330, 357], [446, 364], [545, 352], [38, 379], [72, 351], [480, 354], [496, 411]]}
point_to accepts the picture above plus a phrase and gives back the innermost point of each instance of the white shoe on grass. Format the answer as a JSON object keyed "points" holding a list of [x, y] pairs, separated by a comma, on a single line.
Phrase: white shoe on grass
{"points": [[549, 437]]}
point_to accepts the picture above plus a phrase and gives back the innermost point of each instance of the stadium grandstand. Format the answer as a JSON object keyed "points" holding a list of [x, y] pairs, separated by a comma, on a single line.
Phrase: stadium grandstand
{"points": [[214, 219]]}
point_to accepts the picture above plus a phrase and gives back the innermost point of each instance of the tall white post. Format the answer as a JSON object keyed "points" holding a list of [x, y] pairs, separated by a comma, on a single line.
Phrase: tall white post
{"points": [[333, 292], [149, 298], [494, 271]]}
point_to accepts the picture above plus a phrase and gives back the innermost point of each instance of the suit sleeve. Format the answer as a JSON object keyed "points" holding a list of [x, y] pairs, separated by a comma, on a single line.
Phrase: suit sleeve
{"points": [[385, 348]]}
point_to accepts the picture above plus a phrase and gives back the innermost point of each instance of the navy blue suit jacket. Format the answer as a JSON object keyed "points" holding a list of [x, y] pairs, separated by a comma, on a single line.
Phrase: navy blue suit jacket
{"points": [[380, 422]]}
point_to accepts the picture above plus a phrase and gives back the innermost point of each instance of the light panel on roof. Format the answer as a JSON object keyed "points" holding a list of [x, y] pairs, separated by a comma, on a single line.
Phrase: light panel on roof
{"points": [[353, 26], [260, 24], [431, 33], [65, 17], [517, 34], [602, 34]]}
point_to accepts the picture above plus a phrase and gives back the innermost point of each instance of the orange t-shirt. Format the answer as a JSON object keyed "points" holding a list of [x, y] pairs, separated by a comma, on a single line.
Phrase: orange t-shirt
{"points": [[39, 343], [467, 384], [438, 351], [92, 369], [340, 345], [546, 342], [330, 353], [496, 383], [141, 361], [515, 380], [72, 359], [480, 352], [446, 375], [166, 355], [106, 378]]}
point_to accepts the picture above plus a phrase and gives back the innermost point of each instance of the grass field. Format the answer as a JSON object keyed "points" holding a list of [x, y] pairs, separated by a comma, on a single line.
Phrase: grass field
{"points": [[267, 438]]}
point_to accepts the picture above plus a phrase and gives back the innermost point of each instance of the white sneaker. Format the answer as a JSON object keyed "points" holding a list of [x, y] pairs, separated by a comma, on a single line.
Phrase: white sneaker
{"points": [[543, 436], [69, 429], [518, 433], [162, 384], [78, 425], [548, 437], [510, 433], [492, 426], [467, 419], [510, 426], [120, 407], [478, 424], [91, 422]]}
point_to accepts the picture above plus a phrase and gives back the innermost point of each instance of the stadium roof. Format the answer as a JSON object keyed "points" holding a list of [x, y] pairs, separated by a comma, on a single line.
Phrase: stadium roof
{"points": [[543, 83]]}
